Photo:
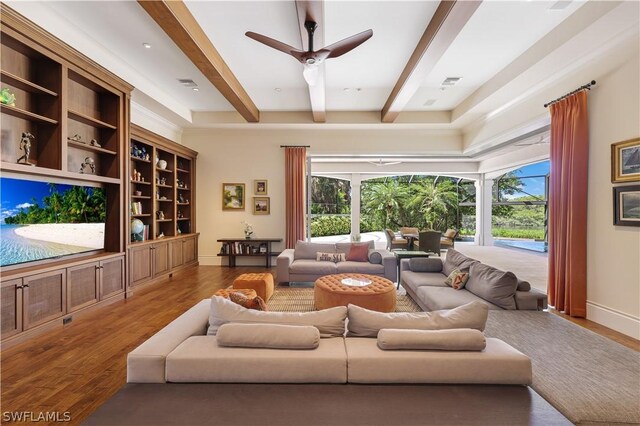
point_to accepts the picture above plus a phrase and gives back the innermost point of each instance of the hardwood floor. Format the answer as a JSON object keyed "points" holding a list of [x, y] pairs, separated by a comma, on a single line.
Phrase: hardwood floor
{"points": [[77, 368]]}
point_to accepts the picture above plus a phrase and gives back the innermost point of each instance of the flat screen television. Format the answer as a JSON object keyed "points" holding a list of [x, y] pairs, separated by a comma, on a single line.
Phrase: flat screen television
{"points": [[43, 220]]}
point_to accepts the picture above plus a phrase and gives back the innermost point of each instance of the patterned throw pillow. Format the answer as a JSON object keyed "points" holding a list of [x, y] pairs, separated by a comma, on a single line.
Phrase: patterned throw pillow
{"points": [[331, 257], [255, 303], [457, 279]]}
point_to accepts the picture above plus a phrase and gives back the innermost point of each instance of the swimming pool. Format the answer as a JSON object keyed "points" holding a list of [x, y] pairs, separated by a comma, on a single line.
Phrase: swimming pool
{"points": [[539, 246]]}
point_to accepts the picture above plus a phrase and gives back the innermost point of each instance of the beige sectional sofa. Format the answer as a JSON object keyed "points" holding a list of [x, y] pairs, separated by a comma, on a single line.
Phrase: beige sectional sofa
{"points": [[301, 264], [185, 351], [424, 280]]}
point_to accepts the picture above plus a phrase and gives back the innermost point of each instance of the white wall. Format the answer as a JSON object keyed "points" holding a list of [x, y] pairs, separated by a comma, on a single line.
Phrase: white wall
{"points": [[613, 258], [236, 157]]}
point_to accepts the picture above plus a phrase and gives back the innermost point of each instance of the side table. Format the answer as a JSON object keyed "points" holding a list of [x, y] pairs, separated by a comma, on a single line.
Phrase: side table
{"points": [[407, 254]]}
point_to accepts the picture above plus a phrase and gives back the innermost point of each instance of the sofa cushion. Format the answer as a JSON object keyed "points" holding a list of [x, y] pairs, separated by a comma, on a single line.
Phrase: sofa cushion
{"points": [[414, 280], [499, 363], [437, 298], [456, 260], [450, 233], [255, 302], [375, 257], [346, 247], [461, 339], [306, 266], [360, 268], [425, 264], [493, 285], [330, 257], [274, 336], [457, 279], [523, 285], [305, 250], [201, 359], [358, 253], [330, 322], [365, 323]]}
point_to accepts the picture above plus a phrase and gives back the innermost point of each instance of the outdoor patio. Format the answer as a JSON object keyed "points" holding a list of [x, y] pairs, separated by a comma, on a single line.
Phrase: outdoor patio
{"points": [[526, 264]]}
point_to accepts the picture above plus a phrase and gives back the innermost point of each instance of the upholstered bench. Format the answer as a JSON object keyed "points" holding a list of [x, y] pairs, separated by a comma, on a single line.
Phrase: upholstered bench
{"points": [[224, 292], [262, 283]]}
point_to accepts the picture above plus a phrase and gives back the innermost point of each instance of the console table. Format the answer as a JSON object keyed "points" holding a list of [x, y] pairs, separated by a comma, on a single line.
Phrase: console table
{"points": [[235, 247]]}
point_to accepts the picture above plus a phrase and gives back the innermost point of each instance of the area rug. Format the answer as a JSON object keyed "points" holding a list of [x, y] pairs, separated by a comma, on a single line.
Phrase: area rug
{"points": [[294, 299], [589, 378]]}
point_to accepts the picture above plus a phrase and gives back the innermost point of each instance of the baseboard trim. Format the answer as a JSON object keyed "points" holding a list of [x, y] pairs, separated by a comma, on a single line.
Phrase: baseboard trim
{"points": [[208, 260], [616, 320]]}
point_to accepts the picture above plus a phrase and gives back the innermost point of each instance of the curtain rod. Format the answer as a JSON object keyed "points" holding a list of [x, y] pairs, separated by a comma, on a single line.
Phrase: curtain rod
{"points": [[295, 146], [583, 87]]}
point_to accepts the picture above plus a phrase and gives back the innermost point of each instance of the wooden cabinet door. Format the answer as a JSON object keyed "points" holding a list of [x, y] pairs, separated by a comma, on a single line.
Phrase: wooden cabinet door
{"points": [[161, 261], [176, 253], [44, 297], [111, 277], [190, 250], [11, 309], [140, 259], [82, 286]]}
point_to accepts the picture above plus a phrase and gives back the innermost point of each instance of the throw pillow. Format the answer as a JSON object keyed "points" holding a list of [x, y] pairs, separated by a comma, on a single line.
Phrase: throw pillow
{"points": [[330, 257], [493, 285], [450, 233], [462, 339], [358, 253], [271, 336], [375, 257], [457, 279], [424, 264], [330, 322], [250, 303], [366, 323]]}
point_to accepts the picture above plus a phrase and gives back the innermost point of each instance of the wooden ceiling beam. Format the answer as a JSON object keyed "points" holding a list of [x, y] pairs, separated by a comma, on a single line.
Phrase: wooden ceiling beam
{"points": [[447, 22], [179, 24], [313, 10]]}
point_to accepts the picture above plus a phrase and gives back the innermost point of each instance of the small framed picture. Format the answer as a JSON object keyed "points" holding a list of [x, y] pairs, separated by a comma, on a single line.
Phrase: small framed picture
{"points": [[260, 187], [626, 205], [233, 196], [261, 205], [625, 161]]}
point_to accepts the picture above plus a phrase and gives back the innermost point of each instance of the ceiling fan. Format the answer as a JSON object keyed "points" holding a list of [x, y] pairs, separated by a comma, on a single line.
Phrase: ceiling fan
{"points": [[381, 163], [310, 59]]}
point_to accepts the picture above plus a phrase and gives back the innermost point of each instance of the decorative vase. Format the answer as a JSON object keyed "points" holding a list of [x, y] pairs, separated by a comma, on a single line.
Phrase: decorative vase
{"points": [[247, 235], [162, 164]]}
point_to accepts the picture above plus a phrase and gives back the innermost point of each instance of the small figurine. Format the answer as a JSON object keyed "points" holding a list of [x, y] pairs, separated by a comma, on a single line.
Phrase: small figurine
{"points": [[88, 162], [146, 156], [76, 138], [25, 145], [161, 235], [180, 198], [134, 176], [160, 215], [7, 98], [178, 230], [180, 216], [139, 177], [163, 181], [95, 143]]}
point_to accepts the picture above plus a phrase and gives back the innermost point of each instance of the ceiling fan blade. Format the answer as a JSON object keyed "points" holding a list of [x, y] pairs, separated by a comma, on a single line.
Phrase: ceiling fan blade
{"points": [[343, 46], [278, 45]]}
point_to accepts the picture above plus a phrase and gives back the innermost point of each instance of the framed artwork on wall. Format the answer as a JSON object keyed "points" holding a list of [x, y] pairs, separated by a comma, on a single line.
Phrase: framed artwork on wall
{"points": [[233, 196], [261, 205], [260, 187], [626, 205], [625, 161]]}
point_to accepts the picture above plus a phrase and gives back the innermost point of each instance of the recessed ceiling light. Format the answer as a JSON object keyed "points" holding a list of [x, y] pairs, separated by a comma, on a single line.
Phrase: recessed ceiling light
{"points": [[146, 45], [346, 89], [277, 89], [187, 82], [195, 89], [430, 102], [451, 81]]}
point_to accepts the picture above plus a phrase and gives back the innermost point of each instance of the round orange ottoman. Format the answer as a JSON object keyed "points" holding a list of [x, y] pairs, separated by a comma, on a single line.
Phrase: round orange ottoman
{"points": [[380, 295], [224, 292], [262, 283]]}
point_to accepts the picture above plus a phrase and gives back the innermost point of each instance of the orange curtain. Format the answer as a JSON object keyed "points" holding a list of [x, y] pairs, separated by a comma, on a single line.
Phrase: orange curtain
{"points": [[295, 171], [567, 288]]}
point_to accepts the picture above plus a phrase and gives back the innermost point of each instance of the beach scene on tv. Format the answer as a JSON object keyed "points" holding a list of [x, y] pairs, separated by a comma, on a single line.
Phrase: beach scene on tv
{"points": [[42, 220]]}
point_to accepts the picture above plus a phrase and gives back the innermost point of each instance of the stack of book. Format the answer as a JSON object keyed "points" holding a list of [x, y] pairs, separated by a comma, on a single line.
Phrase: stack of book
{"points": [[136, 208]]}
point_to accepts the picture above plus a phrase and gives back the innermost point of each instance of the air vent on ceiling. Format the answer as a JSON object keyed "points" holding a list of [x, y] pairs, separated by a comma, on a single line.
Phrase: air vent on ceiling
{"points": [[430, 102], [450, 81], [560, 4], [187, 82]]}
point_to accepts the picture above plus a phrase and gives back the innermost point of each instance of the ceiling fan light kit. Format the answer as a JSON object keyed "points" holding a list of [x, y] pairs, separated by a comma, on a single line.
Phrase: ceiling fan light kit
{"points": [[312, 59]]}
